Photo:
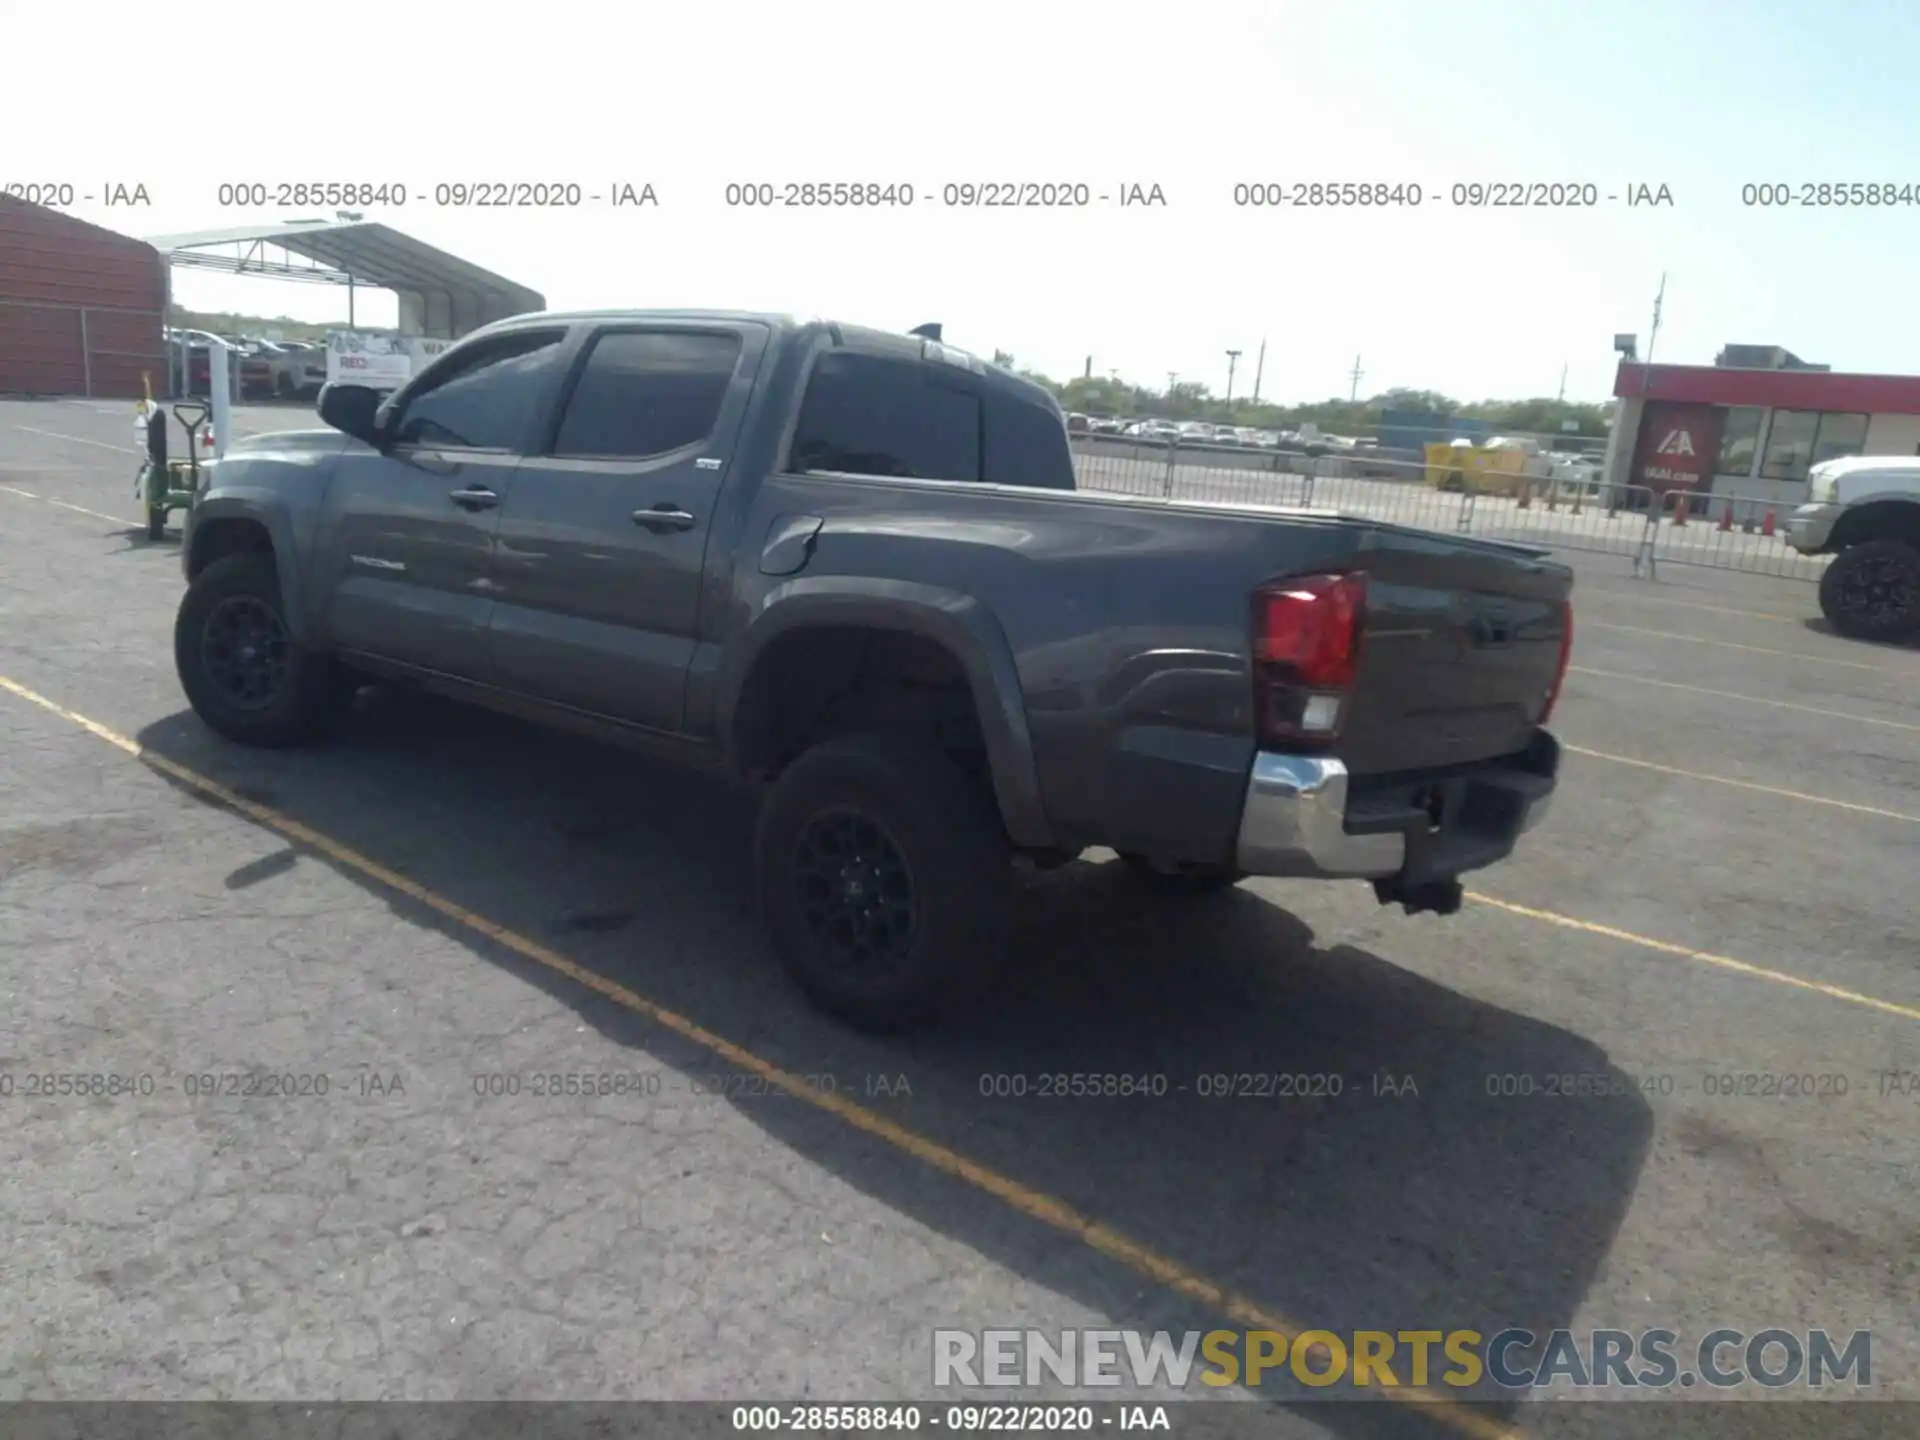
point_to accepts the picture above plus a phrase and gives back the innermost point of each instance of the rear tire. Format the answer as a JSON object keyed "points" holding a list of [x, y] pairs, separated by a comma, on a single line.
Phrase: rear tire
{"points": [[884, 879], [1872, 591], [243, 673], [1183, 881]]}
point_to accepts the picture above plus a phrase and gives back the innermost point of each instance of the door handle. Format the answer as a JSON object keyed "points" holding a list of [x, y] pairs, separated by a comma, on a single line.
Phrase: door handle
{"points": [[664, 517], [474, 497]]}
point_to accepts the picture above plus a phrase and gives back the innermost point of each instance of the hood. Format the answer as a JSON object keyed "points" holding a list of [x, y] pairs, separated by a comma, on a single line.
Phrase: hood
{"points": [[288, 442]]}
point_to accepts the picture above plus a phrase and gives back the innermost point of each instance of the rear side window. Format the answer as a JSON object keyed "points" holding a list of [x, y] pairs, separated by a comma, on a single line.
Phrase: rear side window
{"points": [[1027, 445], [481, 398], [645, 393], [866, 416]]}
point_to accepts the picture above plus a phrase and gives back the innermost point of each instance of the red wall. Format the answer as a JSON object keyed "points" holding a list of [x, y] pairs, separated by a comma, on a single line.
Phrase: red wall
{"points": [[81, 308]]}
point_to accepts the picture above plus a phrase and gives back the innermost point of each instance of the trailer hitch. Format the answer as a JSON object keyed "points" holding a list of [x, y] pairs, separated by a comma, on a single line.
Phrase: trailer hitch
{"points": [[1439, 897]]}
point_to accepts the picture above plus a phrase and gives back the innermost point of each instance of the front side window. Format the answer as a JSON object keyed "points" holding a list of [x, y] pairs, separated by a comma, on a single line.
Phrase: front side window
{"points": [[646, 393], [867, 416], [481, 400]]}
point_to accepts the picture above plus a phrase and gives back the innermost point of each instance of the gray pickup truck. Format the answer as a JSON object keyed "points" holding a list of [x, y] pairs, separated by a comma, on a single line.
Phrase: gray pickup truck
{"points": [[853, 568]]}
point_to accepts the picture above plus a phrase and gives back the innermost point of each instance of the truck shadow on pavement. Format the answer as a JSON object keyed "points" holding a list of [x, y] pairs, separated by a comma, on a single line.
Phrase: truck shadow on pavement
{"points": [[1400, 1195]]}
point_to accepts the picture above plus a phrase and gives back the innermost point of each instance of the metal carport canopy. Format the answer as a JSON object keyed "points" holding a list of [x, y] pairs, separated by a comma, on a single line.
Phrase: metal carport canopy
{"points": [[441, 295]]}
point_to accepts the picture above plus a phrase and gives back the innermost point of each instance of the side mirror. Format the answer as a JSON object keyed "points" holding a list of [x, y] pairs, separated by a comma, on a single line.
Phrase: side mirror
{"points": [[353, 410]]}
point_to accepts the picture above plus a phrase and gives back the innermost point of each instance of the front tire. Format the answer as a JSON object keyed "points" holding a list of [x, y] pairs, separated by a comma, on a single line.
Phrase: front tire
{"points": [[884, 879], [243, 673], [1872, 591], [1180, 881]]}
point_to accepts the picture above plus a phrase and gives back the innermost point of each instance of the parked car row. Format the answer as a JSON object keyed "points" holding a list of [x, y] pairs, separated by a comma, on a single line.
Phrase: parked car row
{"points": [[263, 369], [1204, 432]]}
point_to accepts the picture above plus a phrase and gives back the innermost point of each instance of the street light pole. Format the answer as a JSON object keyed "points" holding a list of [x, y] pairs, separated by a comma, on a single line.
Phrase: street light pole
{"points": [[1233, 359]]}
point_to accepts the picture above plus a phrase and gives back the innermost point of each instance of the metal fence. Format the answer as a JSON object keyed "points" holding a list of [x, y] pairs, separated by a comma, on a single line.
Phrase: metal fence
{"points": [[61, 349], [1731, 532]]}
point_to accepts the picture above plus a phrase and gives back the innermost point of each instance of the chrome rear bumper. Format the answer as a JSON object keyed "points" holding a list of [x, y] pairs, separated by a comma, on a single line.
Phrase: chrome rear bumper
{"points": [[1296, 819]]}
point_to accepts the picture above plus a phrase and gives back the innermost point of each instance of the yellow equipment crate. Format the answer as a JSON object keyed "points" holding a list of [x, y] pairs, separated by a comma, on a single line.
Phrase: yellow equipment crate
{"points": [[1476, 469]]}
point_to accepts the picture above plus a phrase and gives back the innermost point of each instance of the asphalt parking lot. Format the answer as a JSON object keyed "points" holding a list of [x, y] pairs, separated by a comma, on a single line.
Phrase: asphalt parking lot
{"points": [[443, 905]]}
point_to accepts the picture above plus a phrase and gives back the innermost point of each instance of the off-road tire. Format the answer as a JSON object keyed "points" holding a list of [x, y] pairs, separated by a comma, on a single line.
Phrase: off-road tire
{"points": [[302, 707], [944, 830], [1185, 882], [1840, 602]]}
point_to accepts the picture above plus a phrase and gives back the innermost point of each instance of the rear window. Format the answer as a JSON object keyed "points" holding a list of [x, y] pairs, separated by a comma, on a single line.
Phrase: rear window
{"points": [[864, 415]]}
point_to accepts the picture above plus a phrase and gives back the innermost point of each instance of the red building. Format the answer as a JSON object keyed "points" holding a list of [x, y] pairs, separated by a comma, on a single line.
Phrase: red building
{"points": [[82, 310], [1733, 430]]}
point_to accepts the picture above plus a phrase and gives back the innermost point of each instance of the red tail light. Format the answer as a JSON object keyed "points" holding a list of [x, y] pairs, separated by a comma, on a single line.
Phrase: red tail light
{"points": [[1566, 654], [1306, 655]]}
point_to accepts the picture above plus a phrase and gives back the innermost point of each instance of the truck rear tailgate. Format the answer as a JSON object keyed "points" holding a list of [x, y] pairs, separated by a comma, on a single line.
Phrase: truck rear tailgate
{"points": [[1461, 647]]}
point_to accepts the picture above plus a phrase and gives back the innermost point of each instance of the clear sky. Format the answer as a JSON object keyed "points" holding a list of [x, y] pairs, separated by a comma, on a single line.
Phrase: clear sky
{"points": [[1702, 96]]}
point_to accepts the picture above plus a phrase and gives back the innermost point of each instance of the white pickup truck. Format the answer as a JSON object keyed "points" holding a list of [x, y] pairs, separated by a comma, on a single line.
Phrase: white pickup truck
{"points": [[1864, 511]]}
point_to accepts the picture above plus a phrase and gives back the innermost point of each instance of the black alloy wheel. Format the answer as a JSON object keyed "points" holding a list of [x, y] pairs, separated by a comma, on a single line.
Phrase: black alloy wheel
{"points": [[1872, 591], [855, 889], [885, 881], [245, 653]]}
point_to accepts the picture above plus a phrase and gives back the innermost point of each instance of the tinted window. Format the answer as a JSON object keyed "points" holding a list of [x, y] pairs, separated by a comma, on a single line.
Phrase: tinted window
{"points": [[867, 416], [1026, 444], [480, 401], [648, 393]]}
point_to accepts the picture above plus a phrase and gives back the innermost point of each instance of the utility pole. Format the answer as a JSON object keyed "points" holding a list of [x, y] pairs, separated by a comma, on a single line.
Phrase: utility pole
{"points": [[1563, 382], [1087, 374], [1353, 395], [1259, 369], [1233, 359], [1173, 378], [1654, 333]]}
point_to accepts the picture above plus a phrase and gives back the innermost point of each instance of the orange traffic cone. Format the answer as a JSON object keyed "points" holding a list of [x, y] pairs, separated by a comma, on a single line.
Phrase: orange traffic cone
{"points": [[1766, 525], [1726, 516], [1680, 511]]}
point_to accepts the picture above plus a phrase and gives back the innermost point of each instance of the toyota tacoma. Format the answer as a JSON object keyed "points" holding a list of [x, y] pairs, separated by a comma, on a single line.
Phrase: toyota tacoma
{"points": [[853, 568]]}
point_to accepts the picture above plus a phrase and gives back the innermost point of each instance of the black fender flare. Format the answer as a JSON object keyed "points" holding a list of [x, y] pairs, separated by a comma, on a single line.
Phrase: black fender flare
{"points": [[261, 508], [966, 628]]}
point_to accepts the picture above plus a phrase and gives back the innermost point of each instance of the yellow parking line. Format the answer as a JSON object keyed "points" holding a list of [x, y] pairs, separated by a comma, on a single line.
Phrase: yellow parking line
{"points": [[1034, 1204], [1741, 784], [1750, 699], [1705, 957], [1644, 599], [1753, 649]]}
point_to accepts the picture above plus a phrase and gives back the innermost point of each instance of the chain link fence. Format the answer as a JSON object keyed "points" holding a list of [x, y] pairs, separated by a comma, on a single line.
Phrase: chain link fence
{"points": [[1726, 532]]}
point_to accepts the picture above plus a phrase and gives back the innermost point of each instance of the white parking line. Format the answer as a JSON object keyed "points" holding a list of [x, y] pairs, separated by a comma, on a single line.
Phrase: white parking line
{"points": [[78, 439]]}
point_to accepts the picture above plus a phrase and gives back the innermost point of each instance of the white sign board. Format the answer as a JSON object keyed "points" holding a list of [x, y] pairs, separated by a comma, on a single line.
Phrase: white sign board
{"points": [[382, 362]]}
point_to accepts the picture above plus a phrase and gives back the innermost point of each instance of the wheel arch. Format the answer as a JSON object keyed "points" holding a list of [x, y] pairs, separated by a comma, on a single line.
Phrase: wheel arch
{"points": [[958, 624], [227, 525], [1893, 517]]}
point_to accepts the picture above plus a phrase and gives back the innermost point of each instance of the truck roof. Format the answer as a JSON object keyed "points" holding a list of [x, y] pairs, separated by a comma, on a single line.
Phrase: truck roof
{"points": [[788, 325]]}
